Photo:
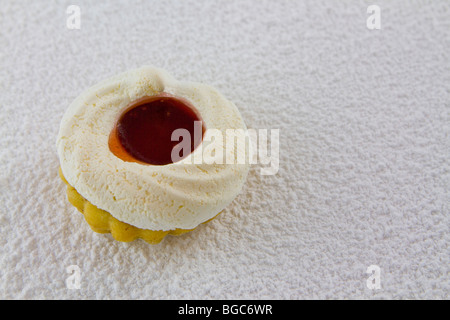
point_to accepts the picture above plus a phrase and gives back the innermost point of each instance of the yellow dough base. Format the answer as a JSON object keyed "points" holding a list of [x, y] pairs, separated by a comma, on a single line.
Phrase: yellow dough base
{"points": [[103, 222]]}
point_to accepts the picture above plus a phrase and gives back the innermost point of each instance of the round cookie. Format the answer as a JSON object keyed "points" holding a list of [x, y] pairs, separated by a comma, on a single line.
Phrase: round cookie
{"points": [[119, 189]]}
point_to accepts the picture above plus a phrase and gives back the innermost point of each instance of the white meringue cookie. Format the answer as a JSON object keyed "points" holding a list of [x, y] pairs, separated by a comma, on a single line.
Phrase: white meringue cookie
{"points": [[178, 195]]}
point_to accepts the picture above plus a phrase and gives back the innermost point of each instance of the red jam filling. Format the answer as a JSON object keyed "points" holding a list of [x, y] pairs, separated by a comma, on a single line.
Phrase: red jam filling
{"points": [[144, 130]]}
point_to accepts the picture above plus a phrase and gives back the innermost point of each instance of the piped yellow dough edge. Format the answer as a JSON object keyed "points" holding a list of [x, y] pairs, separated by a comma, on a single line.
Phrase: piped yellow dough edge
{"points": [[102, 221]]}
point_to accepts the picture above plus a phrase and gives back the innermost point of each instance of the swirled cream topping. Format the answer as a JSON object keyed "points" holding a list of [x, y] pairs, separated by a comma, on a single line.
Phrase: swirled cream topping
{"points": [[181, 194]]}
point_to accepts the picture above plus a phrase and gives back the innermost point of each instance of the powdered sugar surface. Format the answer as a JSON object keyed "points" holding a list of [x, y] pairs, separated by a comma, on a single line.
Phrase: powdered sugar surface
{"points": [[364, 123]]}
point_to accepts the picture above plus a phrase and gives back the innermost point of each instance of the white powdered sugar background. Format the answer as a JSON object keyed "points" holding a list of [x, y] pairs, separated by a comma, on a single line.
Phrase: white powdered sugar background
{"points": [[364, 119]]}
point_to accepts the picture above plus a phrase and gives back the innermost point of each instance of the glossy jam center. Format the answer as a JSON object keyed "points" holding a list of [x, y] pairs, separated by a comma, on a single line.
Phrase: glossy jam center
{"points": [[144, 130]]}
